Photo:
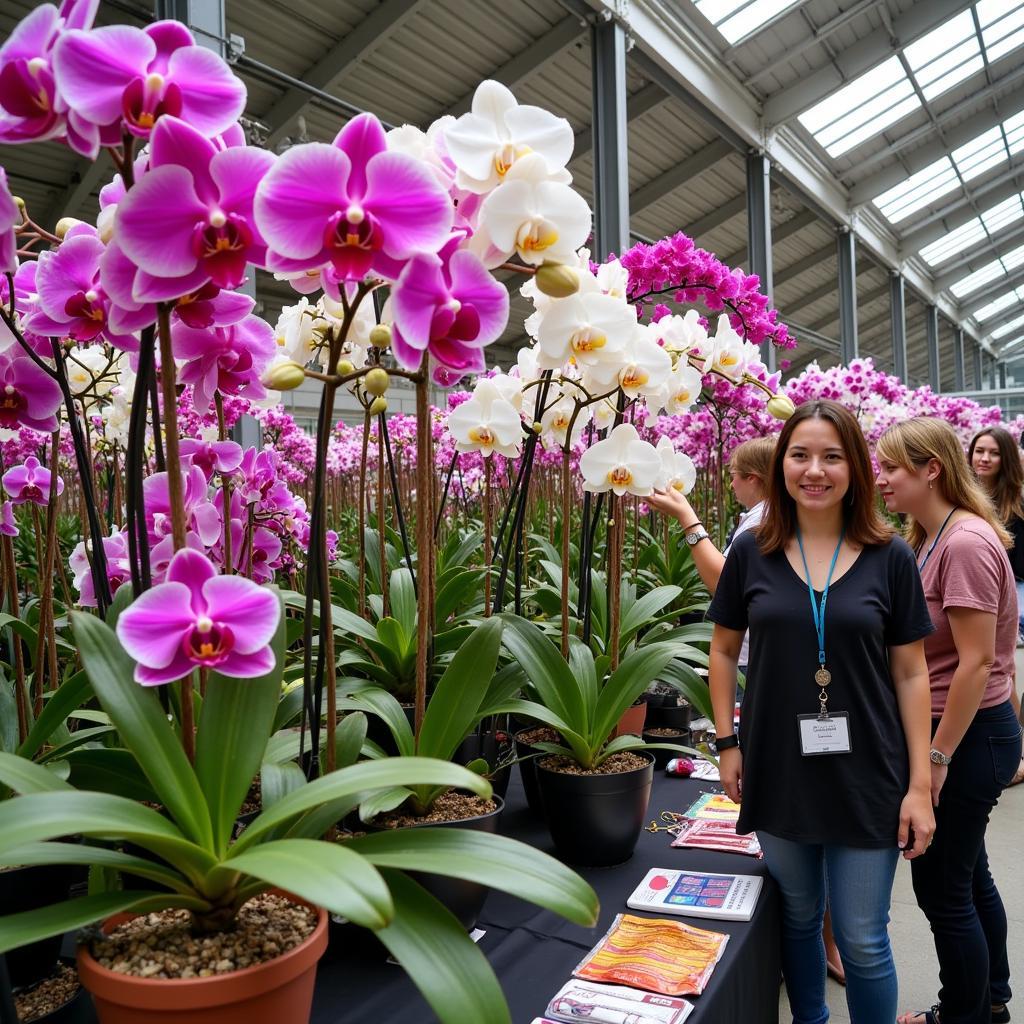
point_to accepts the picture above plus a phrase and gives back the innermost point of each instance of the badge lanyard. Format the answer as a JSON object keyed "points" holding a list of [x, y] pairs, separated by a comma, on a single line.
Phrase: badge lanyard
{"points": [[938, 536], [822, 677]]}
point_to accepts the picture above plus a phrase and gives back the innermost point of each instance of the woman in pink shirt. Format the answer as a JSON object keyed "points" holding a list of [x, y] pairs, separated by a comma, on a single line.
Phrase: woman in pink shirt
{"points": [[976, 739]]}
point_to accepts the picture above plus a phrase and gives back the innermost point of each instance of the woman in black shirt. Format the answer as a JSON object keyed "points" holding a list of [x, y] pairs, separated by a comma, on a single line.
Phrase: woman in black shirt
{"points": [[831, 764]]}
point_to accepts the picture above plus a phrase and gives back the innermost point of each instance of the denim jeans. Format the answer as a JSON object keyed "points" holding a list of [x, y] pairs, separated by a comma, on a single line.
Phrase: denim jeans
{"points": [[1020, 606], [859, 888], [952, 882]]}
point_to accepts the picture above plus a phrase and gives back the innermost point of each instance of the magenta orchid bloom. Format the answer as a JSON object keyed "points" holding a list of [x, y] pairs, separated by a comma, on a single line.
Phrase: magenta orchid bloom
{"points": [[352, 205], [30, 108], [451, 309], [30, 482], [8, 526], [197, 619], [26, 301], [189, 219], [28, 397], [119, 75], [200, 514], [211, 456], [10, 218], [72, 301], [115, 548], [225, 359]]}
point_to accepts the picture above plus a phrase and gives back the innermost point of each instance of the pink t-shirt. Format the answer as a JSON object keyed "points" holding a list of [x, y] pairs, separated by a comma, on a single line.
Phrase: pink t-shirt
{"points": [[969, 568]]}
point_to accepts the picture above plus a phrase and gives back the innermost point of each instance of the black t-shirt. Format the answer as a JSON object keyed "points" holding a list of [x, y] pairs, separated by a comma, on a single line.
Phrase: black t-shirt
{"points": [[1016, 527], [850, 799]]}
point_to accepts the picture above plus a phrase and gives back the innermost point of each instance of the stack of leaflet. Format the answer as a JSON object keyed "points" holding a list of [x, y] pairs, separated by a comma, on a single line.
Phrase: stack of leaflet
{"points": [[710, 824], [612, 1004]]}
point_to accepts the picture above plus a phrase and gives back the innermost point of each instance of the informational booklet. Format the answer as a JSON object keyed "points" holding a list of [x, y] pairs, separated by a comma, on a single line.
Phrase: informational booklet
{"points": [[713, 807], [697, 894], [702, 834], [613, 1004], [706, 770]]}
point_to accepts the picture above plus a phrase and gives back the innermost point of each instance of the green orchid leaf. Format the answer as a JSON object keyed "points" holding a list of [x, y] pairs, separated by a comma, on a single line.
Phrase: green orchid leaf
{"points": [[65, 699], [79, 853], [278, 780], [636, 672], [381, 803], [143, 726], [24, 776], [382, 704], [75, 740], [350, 738]]}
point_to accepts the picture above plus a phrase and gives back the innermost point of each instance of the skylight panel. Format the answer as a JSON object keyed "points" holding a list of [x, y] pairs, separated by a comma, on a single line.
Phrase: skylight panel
{"points": [[1002, 26], [956, 241], [945, 56], [981, 153], [997, 305], [1000, 216], [991, 271], [736, 19], [1014, 128], [919, 190], [1013, 325]]}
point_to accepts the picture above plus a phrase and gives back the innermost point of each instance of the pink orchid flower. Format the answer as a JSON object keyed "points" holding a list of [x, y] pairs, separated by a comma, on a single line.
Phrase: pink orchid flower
{"points": [[115, 549], [197, 619], [211, 456], [123, 76], [8, 526], [450, 308], [30, 108], [72, 300], [352, 205], [225, 359], [200, 514], [10, 218], [28, 397], [30, 482], [189, 219]]}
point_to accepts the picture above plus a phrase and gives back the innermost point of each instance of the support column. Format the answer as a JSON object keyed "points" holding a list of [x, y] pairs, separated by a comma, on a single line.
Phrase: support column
{"points": [[847, 263], [976, 361], [1002, 376], [611, 154], [759, 233], [993, 373], [898, 317], [931, 324], [958, 359]]}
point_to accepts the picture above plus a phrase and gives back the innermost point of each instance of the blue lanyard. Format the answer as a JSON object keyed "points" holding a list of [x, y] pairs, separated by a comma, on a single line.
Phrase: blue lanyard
{"points": [[938, 537], [816, 611]]}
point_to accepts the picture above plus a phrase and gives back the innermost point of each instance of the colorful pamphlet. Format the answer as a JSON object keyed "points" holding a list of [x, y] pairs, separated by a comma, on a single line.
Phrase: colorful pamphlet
{"points": [[612, 1004], [697, 894], [714, 807], [667, 957], [703, 834]]}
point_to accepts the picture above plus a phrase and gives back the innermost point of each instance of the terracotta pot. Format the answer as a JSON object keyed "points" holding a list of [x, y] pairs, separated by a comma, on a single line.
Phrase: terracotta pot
{"points": [[631, 722], [269, 993]]}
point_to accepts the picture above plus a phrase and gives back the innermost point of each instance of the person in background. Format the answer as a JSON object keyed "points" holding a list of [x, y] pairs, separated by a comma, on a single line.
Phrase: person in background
{"points": [[976, 738], [831, 763]]}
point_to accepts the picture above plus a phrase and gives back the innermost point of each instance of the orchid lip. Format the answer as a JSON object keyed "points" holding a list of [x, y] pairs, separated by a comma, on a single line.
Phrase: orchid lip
{"points": [[37, 64]]}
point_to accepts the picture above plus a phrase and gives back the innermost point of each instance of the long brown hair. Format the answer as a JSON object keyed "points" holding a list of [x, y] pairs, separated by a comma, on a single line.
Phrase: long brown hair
{"points": [[1007, 492], [754, 458], [863, 524], [913, 444]]}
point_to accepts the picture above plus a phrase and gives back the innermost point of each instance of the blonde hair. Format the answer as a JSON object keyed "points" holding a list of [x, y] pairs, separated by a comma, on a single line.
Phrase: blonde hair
{"points": [[754, 458], [913, 443]]}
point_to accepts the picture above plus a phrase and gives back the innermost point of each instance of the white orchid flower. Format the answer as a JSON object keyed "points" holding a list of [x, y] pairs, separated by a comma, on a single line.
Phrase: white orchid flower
{"points": [[641, 368], [677, 469], [296, 330], [590, 329], [486, 423], [622, 462], [612, 278], [526, 368], [554, 423], [510, 389], [426, 146], [85, 366], [497, 132], [731, 352], [681, 391], [604, 413], [538, 219]]}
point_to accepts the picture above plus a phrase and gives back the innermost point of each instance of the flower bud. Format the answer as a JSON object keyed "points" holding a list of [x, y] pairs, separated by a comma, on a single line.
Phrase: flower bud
{"points": [[376, 381], [557, 280], [537, 426], [781, 406], [284, 376], [19, 203], [377, 406], [380, 336], [344, 368], [64, 225]]}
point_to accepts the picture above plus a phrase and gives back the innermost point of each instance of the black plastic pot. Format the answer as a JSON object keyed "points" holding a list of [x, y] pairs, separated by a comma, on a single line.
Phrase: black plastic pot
{"points": [[27, 889], [662, 757], [528, 772], [464, 899], [670, 716], [77, 1010], [494, 752], [595, 820]]}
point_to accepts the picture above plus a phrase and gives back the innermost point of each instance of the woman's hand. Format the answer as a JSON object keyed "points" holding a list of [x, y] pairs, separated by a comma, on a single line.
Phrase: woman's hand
{"points": [[917, 819], [730, 767], [939, 773], [673, 503]]}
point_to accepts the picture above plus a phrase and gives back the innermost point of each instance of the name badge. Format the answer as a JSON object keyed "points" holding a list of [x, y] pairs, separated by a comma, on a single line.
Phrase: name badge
{"points": [[824, 734]]}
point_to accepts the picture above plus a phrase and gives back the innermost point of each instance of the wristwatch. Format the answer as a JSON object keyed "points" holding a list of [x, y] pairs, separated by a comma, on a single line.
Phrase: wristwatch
{"points": [[938, 757], [726, 742], [696, 536]]}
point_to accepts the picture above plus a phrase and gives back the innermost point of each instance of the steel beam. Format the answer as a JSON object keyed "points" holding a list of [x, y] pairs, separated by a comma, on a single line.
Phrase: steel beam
{"points": [[354, 48], [1012, 313], [898, 320], [805, 263], [650, 96], [611, 150], [530, 60], [974, 258], [990, 292], [759, 233], [687, 169], [1002, 376], [846, 265], [863, 55], [958, 359], [788, 228], [976, 367], [716, 218], [931, 326], [801, 333]]}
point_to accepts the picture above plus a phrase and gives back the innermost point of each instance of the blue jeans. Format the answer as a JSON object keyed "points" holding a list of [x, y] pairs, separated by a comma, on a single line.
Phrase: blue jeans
{"points": [[952, 881], [1020, 606], [859, 888]]}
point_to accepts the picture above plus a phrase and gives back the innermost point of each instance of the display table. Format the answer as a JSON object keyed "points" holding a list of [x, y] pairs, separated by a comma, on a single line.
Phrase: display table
{"points": [[533, 951]]}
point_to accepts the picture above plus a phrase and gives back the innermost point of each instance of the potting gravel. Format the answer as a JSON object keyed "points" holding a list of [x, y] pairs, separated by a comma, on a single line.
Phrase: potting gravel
{"points": [[624, 762], [49, 995], [161, 945], [450, 806]]}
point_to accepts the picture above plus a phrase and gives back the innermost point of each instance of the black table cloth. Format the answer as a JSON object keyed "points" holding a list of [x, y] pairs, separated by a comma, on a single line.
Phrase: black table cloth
{"points": [[534, 951]]}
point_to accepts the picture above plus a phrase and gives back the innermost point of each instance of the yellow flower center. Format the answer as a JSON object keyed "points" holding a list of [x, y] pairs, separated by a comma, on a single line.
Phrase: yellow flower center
{"points": [[481, 435], [507, 156], [728, 359], [634, 377], [587, 339], [536, 237], [620, 477]]}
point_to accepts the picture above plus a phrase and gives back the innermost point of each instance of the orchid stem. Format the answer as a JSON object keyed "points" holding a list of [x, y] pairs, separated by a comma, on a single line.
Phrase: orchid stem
{"points": [[424, 545], [229, 564]]}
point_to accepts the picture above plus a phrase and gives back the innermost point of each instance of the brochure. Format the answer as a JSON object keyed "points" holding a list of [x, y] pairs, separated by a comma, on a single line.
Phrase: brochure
{"points": [[613, 1004], [654, 954], [697, 894], [713, 807], [702, 834]]}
